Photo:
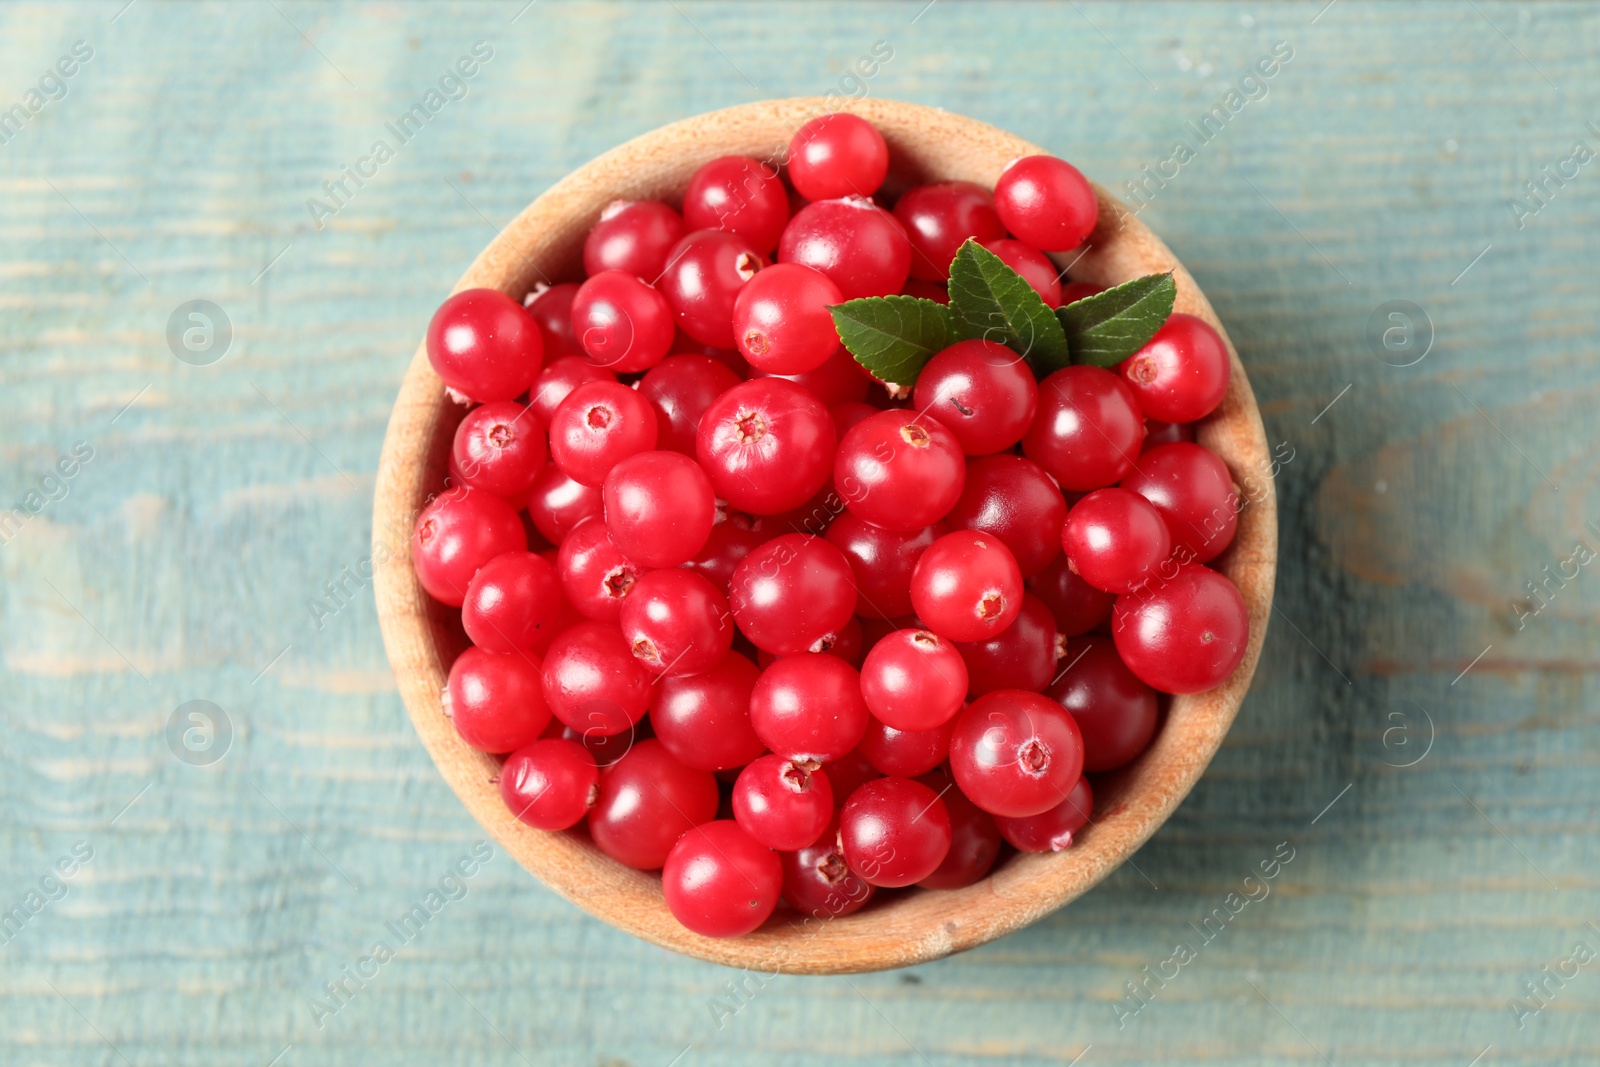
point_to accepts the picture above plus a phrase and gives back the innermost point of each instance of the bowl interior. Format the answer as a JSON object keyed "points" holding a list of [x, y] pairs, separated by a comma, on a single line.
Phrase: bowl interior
{"points": [[545, 243]]}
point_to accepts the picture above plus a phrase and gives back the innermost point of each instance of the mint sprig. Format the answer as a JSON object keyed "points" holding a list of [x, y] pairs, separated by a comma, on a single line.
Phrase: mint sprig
{"points": [[989, 301], [1106, 328], [893, 336]]}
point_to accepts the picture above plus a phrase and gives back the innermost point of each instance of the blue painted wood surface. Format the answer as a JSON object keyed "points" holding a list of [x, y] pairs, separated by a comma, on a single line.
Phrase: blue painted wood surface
{"points": [[210, 901]]}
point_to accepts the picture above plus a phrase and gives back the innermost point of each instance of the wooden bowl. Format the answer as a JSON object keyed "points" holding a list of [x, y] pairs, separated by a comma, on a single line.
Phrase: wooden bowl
{"points": [[422, 638]]}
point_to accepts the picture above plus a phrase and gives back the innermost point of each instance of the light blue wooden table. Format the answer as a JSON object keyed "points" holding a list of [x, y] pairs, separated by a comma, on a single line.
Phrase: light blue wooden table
{"points": [[1423, 741]]}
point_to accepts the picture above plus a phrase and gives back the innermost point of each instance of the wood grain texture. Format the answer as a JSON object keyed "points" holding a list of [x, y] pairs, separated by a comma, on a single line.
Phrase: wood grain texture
{"points": [[180, 561]]}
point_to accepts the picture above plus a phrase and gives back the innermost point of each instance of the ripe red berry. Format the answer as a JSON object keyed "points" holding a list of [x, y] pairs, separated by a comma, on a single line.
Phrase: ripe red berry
{"points": [[720, 882], [904, 753], [1158, 433], [914, 680], [939, 218], [882, 561], [895, 831], [1015, 753], [704, 719], [558, 378], [849, 773], [729, 542], [1190, 486], [818, 882], [835, 155], [767, 445], [838, 380], [495, 701], [1050, 831], [681, 388], [1116, 539], [1015, 500], [1088, 428], [676, 622], [1022, 656], [633, 236], [551, 308], [598, 425], [1181, 374], [740, 195], [982, 392], [781, 320], [860, 247], [1183, 635], [1116, 713], [484, 345], [647, 801], [974, 840], [595, 576], [1033, 265], [458, 532], [1078, 607], [782, 803], [1046, 202], [623, 323], [702, 279], [1072, 292], [659, 508], [556, 503], [899, 470], [512, 603], [550, 784], [499, 448], [793, 594], [808, 707], [592, 682], [967, 586], [606, 749], [922, 288]]}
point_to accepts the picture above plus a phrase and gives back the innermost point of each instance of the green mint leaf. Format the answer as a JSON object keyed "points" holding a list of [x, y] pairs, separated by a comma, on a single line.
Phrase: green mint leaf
{"points": [[892, 336], [992, 302], [1107, 328]]}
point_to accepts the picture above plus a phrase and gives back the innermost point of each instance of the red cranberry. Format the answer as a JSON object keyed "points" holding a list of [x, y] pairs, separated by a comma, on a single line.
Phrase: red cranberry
{"points": [[1078, 607], [556, 503], [558, 378], [596, 426], [895, 831], [1191, 487], [839, 380], [704, 719], [923, 289], [1183, 635], [1033, 265], [729, 542], [484, 345], [1116, 539], [676, 622], [499, 448], [904, 753], [592, 682], [595, 576], [633, 236], [458, 532], [1050, 831], [606, 749], [939, 218], [899, 470], [782, 803], [622, 323], [809, 707], [659, 508], [550, 784], [967, 586], [835, 155], [849, 773], [914, 680], [767, 445], [974, 841], [860, 247], [793, 594], [512, 603], [1158, 433], [740, 195], [647, 801], [982, 392], [1116, 713], [1088, 428], [1015, 500], [1181, 374], [781, 319], [1072, 292], [1022, 656], [720, 882], [1046, 202], [848, 414], [702, 279], [681, 388], [495, 701], [882, 561], [1015, 753], [818, 882], [551, 308]]}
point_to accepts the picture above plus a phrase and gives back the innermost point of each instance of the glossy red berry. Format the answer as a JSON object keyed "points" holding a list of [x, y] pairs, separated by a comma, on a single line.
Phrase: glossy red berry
{"points": [[767, 445], [1192, 489], [605, 748], [704, 719], [904, 753], [458, 532], [595, 576], [1015, 500], [835, 155], [923, 289], [676, 622], [1088, 428], [1046, 202], [1050, 831], [882, 561], [793, 594], [974, 840], [1116, 712], [729, 542], [895, 831], [1072, 292], [512, 603], [1022, 656], [1116, 539], [938, 218], [484, 345], [1181, 374], [556, 503], [818, 882], [899, 470], [550, 784], [702, 279], [1183, 635], [633, 236], [783, 803], [1016, 753], [1078, 607], [720, 882], [558, 378], [495, 701], [982, 392], [839, 380], [967, 586], [914, 680], [623, 324], [551, 308], [659, 508], [499, 448], [781, 321], [860, 247], [1033, 265], [1158, 433], [598, 425], [647, 801], [849, 773], [592, 682], [740, 195], [809, 707], [680, 388]]}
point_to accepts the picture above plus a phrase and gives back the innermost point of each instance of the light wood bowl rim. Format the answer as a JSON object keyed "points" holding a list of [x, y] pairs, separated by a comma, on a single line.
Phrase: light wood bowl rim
{"points": [[929, 144]]}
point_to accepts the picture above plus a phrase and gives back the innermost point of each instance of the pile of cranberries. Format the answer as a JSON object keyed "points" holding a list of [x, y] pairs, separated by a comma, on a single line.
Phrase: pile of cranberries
{"points": [[746, 615]]}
